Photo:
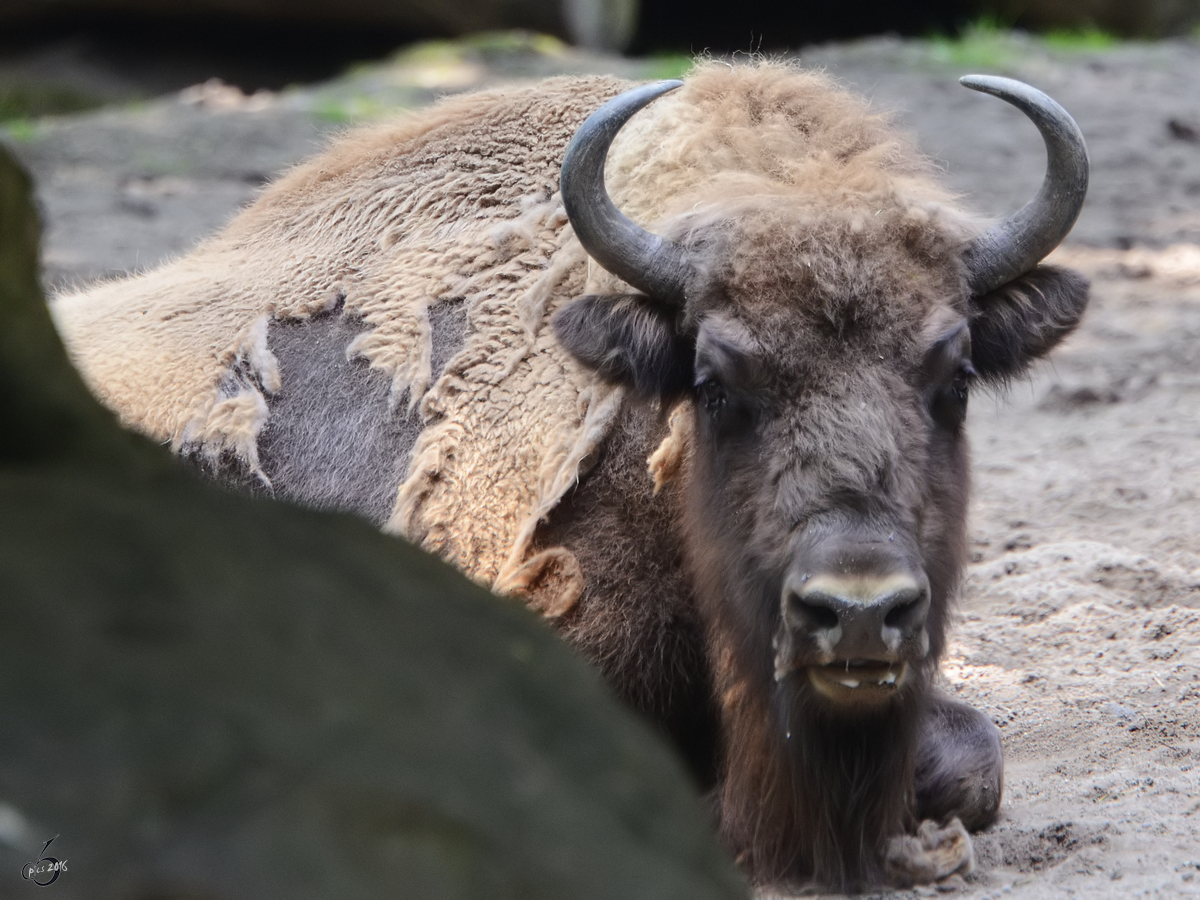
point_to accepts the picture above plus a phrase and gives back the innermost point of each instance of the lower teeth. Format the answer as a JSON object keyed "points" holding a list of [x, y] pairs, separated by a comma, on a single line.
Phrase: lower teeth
{"points": [[889, 678]]}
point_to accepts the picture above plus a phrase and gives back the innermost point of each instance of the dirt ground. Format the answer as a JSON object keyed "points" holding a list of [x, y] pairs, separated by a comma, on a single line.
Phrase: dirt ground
{"points": [[1079, 630]]}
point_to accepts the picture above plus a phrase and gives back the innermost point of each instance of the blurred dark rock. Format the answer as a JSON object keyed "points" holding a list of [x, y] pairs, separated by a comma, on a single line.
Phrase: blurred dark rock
{"points": [[425, 16], [600, 24], [208, 696], [1144, 19]]}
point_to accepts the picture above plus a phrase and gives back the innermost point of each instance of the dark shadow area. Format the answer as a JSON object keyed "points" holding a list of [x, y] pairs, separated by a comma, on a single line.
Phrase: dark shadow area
{"points": [[162, 54], [769, 25]]}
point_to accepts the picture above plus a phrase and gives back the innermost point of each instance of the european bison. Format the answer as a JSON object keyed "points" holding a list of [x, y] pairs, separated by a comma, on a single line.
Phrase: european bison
{"points": [[733, 472]]}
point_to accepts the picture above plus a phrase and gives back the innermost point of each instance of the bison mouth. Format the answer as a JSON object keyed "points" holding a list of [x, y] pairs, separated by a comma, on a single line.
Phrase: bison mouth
{"points": [[858, 681]]}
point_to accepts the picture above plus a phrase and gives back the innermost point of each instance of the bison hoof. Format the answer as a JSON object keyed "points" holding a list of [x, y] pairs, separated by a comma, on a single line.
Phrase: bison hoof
{"points": [[934, 855]]}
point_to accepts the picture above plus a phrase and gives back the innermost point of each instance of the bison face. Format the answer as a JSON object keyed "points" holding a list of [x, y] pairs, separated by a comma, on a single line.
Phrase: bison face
{"points": [[827, 486], [827, 333], [827, 356], [824, 332]]}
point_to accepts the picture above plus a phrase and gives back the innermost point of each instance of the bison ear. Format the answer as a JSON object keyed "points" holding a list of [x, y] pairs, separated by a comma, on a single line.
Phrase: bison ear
{"points": [[1024, 320], [628, 339]]}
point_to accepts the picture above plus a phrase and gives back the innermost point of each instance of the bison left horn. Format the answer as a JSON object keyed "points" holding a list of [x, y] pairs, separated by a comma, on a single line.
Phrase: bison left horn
{"points": [[1014, 246], [654, 265]]}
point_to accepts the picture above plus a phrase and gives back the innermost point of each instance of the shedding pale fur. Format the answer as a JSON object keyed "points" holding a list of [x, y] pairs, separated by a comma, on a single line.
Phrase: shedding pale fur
{"points": [[666, 461], [386, 225]]}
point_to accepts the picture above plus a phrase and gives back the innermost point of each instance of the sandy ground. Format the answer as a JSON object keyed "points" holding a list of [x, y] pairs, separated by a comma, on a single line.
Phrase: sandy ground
{"points": [[1079, 631]]}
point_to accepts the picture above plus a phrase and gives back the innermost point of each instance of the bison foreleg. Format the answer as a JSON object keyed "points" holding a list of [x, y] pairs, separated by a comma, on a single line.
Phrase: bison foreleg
{"points": [[960, 766], [959, 776]]}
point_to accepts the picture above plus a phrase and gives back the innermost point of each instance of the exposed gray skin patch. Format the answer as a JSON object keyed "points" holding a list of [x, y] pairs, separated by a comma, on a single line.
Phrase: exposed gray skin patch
{"points": [[333, 439], [448, 332]]}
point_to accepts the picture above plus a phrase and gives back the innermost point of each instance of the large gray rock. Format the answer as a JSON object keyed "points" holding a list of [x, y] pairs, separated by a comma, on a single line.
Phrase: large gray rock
{"points": [[208, 696]]}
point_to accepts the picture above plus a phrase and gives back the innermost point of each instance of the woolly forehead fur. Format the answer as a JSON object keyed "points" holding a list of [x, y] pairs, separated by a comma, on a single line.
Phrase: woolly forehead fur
{"points": [[824, 282], [786, 184]]}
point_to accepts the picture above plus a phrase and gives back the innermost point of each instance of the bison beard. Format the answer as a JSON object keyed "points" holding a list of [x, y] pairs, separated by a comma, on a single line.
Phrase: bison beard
{"points": [[808, 789], [852, 781]]}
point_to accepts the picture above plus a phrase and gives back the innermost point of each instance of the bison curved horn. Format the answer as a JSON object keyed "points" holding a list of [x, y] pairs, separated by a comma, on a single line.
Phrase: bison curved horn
{"points": [[651, 264], [1012, 247]]}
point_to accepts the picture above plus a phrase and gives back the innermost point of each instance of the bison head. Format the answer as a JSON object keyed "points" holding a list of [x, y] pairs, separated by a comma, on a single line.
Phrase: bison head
{"points": [[827, 340]]}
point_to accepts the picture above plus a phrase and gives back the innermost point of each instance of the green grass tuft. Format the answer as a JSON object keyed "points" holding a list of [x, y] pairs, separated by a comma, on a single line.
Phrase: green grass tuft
{"points": [[669, 65], [20, 129], [1080, 40], [32, 101], [984, 44], [352, 110], [991, 43]]}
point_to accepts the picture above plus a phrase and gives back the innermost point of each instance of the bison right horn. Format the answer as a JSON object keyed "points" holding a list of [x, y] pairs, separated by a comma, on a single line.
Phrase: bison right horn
{"points": [[1014, 246], [652, 264]]}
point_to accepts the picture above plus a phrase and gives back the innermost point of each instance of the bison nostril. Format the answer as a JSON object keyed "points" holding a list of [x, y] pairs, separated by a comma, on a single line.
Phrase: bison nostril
{"points": [[905, 613], [814, 616]]}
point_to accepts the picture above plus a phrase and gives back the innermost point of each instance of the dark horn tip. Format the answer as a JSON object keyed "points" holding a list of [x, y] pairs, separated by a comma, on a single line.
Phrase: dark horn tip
{"points": [[988, 84]]}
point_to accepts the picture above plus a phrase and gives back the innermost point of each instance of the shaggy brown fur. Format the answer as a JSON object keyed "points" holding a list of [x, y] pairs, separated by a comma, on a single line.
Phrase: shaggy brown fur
{"points": [[636, 618], [652, 479]]}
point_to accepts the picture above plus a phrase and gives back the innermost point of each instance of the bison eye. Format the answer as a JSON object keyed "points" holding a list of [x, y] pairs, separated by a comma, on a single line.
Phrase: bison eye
{"points": [[949, 406], [961, 384], [712, 395]]}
